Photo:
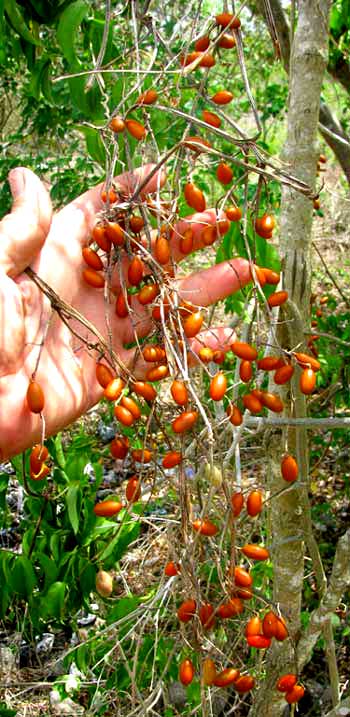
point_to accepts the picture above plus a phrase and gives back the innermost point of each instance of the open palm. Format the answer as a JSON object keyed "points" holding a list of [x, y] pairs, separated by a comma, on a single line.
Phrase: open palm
{"points": [[51, 244]]}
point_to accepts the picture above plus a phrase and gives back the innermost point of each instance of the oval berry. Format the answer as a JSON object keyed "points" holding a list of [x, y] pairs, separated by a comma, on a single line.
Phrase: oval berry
{"points": [[245, 683], [141, 455], [38, 456], [145, 390], [244, 351], [231, 608], [252, 403], [172, 459], [184, 422], [277, 298], [269, 624], [115, 233], [295, 694], [306, 361], [119, 447], [99, 236], [205, 527], [123, 415], [259, 641], [254, 503], [171, 569], [211, 118], [270, 363], [121, 307], [289, 468], [147, 98], [237, 503], [224, 173], [135, 271], [255, 552], [131, 406], [187, 610], [202, 43], [186, 672], [192, 324], [234, 414], [245, 371], [136, 129], [242, 577], [226, 677], [158, 373], [234, 214], [114, 389], [227, 41], [117, 124], [92, 259], [271, 401], [307, 381], [103, 374], [93, 278], [35, 397], [283, 374], [272, 277], [133, 490], [179, 393], [206, 616], [147, 294], [136, 223], [186, 242], [208, 671], [223, 97], [286, 682], [194, 197], [162, 250], [107, 508], [218, 386], [253, 626]]}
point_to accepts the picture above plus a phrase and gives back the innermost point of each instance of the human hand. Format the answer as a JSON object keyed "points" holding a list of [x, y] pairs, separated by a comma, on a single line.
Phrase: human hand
{"points": [[52, 246]]}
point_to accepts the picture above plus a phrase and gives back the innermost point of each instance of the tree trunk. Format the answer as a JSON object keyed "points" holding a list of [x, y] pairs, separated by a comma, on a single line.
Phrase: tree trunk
{"points": [[308, 62], [331, 130]]}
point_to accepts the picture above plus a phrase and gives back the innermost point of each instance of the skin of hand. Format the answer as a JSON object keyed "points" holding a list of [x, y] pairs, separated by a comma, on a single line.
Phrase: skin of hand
{"points": [[51, 244]]}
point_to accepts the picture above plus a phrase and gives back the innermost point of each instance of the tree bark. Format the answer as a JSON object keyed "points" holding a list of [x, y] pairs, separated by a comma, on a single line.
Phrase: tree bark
{"points": [[341, 73], [308, 61]]}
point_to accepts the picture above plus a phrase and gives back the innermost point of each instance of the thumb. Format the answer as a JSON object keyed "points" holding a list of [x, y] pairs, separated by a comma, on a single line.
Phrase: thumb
{"points": [[24, 230]]}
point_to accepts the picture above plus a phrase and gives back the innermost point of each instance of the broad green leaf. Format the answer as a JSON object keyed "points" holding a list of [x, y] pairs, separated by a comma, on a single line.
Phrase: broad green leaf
{"points": [[49, 569], [53, 602], [73, 500], [87, 576], [16, 20], [67, 28], [55, 546], [123, 607], [22, 578], [6, 711], [4, 479], [117, 547], [94, 144]]}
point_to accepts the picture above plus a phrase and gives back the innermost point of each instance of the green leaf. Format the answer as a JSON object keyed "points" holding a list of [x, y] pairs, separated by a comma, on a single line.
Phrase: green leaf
{"points": [[126, 535], [22, 578], [53, 602], [49, 569], [67, 27], [123, 607], [6, 712], [73, 500], [94, 144], [17, 22]]}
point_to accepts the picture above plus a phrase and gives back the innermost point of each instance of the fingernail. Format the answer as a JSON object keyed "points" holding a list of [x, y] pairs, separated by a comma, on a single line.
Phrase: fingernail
{"points": [[17, 182]]}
